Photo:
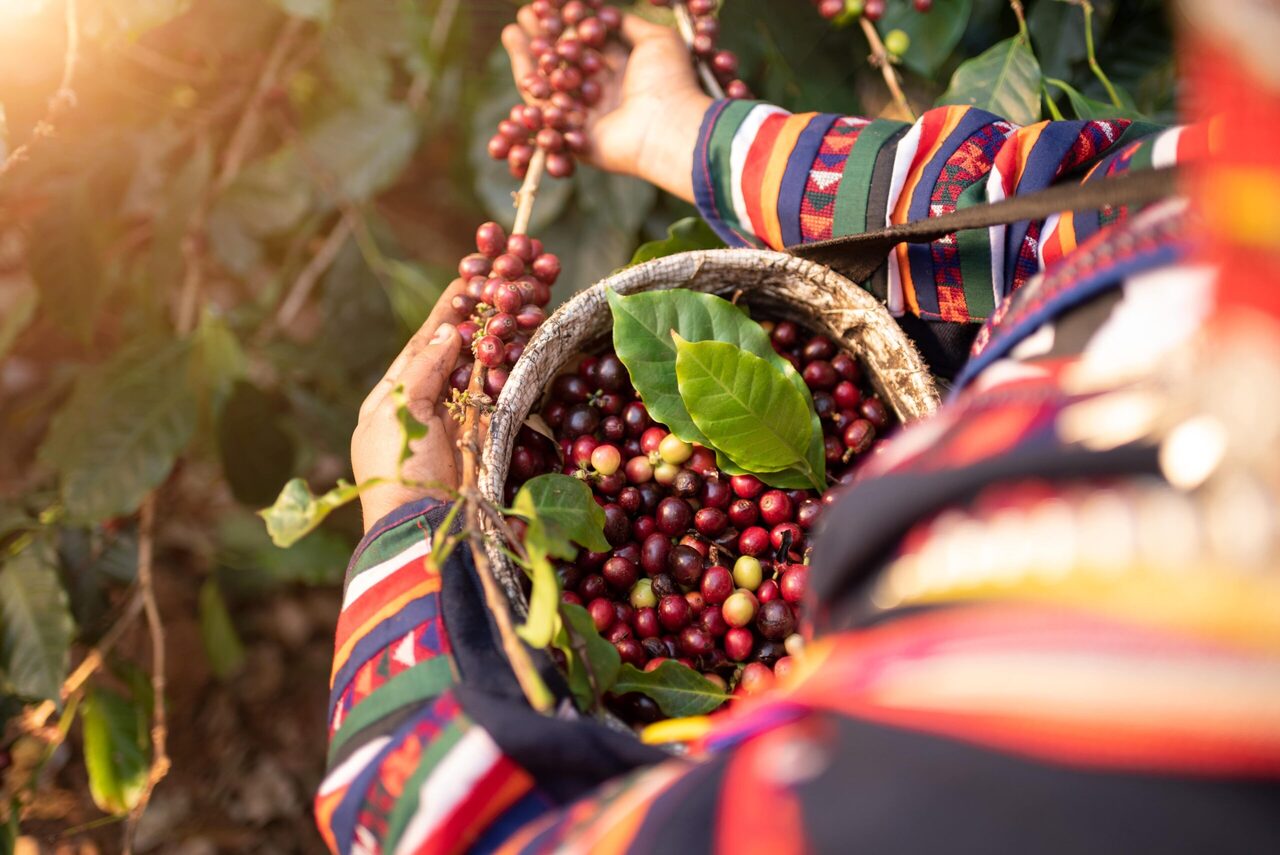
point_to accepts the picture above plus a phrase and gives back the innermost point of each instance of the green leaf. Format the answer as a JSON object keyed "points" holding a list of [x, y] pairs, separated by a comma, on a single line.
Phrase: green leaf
{"points": [[746, 407], [249, 561], [411, 430], [217, 362], [117, 750], [1088, 108], [685, 235], [297, 511], [183, 193], [602, 656], [256, 451], [119, 433], [1004, 80], [17, 308], [412, 292], [270, 196], [35, 624], [677, 689], [363, 149], [310, 10], [565, 506], [933, 36], [221, 641], [540, 626], [64, 255]]}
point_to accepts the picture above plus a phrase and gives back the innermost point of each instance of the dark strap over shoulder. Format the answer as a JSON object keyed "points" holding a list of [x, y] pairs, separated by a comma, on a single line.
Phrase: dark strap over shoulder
{"points": [[859, 256]]}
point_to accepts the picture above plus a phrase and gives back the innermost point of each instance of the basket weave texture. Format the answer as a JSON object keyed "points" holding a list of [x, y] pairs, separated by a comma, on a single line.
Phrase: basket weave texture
{"points": [[772, 285]]}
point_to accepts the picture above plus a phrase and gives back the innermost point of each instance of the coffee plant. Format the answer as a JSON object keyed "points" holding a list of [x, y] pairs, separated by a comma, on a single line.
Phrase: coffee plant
{"points": [[219, 219]]}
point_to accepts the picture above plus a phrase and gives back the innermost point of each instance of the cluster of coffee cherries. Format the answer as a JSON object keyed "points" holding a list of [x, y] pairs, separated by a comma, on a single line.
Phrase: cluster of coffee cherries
{"points": [[704, 568], [507, 287], [706, 35], [872, 10], [563, 86]]}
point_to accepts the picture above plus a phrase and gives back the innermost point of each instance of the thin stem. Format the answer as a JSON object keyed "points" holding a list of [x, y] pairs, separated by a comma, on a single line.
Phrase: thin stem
{"points": [[1022, 20], [64, 98], [684, 23], [310, 275], [159, 727], [1053, 105], [1093, 57], [528, 192], [880, 57]]}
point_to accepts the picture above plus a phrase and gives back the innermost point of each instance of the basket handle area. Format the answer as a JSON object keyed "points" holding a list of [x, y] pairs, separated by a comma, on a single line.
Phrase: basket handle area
{"points": [[859, 256]]}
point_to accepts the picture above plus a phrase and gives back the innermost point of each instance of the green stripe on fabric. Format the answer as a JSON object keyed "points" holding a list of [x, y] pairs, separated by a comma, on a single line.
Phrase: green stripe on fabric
{"points": [[1136, 131], [974, 246], [391, 543], [407, 804], [1142, 157], [719, 150], [855, 183], [421, 682]]}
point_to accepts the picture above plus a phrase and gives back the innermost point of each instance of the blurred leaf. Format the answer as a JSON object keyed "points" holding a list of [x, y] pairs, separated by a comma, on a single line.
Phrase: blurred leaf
{"points": [[364, 148], [678, 690], [412, 292], [1057, 32], [360, 72], [620, 200], [747, 409], [218, 361], [411, 430], [1088, 108], [17, 308], [234, 248], [35, 624], [245, 548], [933, 36], [297, 511], [64, 260], [221, 641], [183, 195], [130, 18], [118, 435], [540, 625], [311, 10], [1004, 80], [257, 453], [268, 197], [565, 507], [602, 656], [117, 750], [687, 235]]}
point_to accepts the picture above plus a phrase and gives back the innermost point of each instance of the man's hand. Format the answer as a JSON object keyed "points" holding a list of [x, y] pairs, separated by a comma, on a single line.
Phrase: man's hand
{"points": [[647, 121], [423, 368]]}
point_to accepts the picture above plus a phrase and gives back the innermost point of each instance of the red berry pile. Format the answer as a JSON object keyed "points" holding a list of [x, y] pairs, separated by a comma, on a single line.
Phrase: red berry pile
{"points": [[872, 10], [706, 35], [567, 52], [704, 568], [507, 287]]}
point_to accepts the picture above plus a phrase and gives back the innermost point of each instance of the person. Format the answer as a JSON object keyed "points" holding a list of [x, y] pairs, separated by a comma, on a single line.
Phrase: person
{"points": [[1046, 624]]}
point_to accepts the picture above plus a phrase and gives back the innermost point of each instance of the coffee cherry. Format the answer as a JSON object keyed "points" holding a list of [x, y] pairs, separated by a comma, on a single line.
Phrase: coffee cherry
{"points": [[819, 375], [643, 526], [696, 543], [582, 448], [794, 645], [674, 516], [652, 439], [769, 652], [674, 450], [833, 449], [639, 470], [695, 641], [794, 583], [847, 367], [896, 42], [775, 621], [756, 676], [775, 508], [746, 486], [620, 573], [747, 572], [602, 613], [642, 596], [710, 521], [767, 592], [686, 484], [606, 459], [570, 597], [581, 419], [712, 620], [743, 513], [818, 348], [738, 642], [489, 350], [807, 513], [646, 625], [787, 532], [654, 552], [674, 612], [874, 411], [491, 239], [715, 493], [753, 541], [717, 584], [685, 565], [859, 436]]}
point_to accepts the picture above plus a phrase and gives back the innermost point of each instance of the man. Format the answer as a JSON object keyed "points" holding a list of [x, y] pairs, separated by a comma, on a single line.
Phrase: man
{"points": [[1050, 617]]}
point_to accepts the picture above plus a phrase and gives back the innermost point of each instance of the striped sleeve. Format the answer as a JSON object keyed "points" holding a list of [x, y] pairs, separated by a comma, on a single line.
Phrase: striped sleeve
{"points": [[765, 177]]}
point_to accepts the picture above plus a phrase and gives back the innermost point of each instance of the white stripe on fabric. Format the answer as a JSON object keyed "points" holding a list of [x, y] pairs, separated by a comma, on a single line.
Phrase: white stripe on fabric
{"points": [[448, 785], [1165, 150], [1046, 232], [738, 150], [903, 159], [375, 574], [347, 770], [996, 234]]}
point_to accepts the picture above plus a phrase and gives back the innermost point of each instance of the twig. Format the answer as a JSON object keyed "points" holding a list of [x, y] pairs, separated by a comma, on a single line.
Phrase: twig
{"points": [[1093, 56], [63, 99], [528, 192], [1018, 13], [246, 130], [880, 57], [310, 275], [159, 726], [684, 23]]}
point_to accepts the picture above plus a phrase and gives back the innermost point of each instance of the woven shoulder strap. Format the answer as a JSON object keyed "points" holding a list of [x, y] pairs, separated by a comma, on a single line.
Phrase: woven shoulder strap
{"points": [[859, 256]]}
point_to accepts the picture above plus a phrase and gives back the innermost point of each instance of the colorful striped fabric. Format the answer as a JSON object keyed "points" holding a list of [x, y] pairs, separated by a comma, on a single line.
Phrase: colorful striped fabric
{"points": [[765, 177]]}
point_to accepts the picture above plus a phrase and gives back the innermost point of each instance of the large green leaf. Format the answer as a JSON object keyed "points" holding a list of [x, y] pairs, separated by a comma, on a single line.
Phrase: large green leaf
{"points": [[1004, 80], [297, 511], [685, 235], [35, 624], [603, 658], [746, 408], [118, 435], [565, 507], [364, 148], [933, 36], [677, 689], [1089, 108], [221, 641], [116, 750]]}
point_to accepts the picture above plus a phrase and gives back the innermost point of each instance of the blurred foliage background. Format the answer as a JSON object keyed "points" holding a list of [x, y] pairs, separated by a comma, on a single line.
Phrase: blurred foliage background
{"points": [[236, 215]]}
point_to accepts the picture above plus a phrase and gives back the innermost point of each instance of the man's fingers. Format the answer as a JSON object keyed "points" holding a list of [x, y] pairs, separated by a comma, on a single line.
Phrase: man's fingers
{"points": [[516, 41], [636, 29], [427, 373]]}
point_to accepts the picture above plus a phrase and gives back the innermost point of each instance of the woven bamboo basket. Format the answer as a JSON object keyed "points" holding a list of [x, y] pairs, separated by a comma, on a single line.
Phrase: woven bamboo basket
{"points": [[773, 285]]}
